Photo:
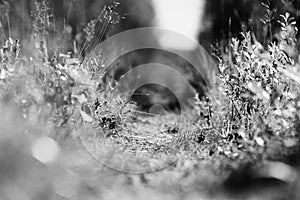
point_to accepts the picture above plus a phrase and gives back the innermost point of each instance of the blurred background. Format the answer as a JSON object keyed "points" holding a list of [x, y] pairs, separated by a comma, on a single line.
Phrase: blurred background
{"points": [[216, 19]]}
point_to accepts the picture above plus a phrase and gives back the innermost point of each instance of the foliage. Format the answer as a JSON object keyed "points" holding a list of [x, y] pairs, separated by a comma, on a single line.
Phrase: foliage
{"points": [[41, 27], [256, 102], [107, 19], [259, 88]]}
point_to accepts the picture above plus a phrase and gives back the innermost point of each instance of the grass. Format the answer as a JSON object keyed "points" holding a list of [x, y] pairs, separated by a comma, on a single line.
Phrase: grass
{"points": [[109, 149]]}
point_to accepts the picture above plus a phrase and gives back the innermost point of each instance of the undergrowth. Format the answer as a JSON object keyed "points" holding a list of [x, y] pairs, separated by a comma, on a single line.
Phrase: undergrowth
{"points": [[255, 104], [257, 96]]}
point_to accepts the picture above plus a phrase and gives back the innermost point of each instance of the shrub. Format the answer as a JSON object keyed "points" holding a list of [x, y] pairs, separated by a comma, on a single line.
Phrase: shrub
{"points": [[260, 85]]}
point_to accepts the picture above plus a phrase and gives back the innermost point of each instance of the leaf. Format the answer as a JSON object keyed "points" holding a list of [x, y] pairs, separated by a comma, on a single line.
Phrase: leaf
{"points": [[291, 74], [72, 61], [81, 98], [85, 116], [260, 141], [3, 74], [258, 91]]}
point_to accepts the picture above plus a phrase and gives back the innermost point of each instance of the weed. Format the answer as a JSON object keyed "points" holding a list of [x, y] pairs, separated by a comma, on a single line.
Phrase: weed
{"points": [[107, 19], [259, 95], [41, 26]]}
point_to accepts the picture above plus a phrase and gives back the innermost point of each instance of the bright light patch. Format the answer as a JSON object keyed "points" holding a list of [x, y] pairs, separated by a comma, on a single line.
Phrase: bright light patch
{"points": [[45, 150], [181, 16]]}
